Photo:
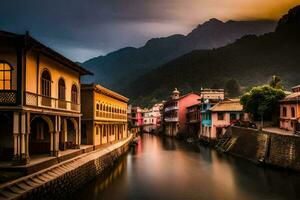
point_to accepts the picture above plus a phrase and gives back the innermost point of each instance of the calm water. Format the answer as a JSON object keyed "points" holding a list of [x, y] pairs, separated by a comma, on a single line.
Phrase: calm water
{"points": [[162, 168]]}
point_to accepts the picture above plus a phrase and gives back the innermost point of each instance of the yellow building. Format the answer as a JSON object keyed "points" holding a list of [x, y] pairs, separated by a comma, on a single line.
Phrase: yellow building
{"points": [[104, 117], [39, 99]]}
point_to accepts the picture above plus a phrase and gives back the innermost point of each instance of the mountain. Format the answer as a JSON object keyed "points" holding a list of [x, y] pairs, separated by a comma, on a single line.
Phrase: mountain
{"points": [[117, 69], [250, 60]]}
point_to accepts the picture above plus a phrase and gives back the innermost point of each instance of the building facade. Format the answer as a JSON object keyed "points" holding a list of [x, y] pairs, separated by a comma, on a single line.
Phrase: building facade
{"points": [[209, 97], [290, 111], [104, 117], [39, 99], [137, 116], [193, 120], [174, 112], [151, 119], [223, 115]]}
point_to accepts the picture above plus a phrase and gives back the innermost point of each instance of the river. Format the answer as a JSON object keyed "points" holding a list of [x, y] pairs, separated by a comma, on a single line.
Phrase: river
{"points": [[163, 168]]}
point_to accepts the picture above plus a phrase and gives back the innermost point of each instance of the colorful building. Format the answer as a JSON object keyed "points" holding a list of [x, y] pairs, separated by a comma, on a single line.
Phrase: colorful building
{"points": [[104, 117], [151, 119], [40, 109], [223, 115], [137, 117], [174, 112], [193, 120], [290, 111], [209, 97]]}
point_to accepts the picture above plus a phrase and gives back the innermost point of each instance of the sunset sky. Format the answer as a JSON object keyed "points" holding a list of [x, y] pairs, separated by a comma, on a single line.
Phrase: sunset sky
{"points": [[84, 29]]}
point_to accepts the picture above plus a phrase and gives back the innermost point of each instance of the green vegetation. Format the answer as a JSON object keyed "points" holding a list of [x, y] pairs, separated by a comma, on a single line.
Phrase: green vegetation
{"points": [[262, 102]]}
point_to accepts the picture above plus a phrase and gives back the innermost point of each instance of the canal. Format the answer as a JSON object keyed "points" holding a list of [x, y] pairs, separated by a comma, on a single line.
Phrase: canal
{"points": [[162, 168]]}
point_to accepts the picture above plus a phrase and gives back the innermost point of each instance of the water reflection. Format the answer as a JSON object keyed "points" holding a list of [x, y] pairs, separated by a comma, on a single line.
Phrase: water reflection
{"points": [[162, 168]]}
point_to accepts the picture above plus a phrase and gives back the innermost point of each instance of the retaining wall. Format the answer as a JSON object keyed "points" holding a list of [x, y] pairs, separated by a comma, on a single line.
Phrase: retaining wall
{"points": [[262, 147]]}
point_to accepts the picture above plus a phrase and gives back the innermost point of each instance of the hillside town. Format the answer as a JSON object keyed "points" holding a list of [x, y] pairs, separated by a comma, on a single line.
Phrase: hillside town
{"points": [[59, 135]]}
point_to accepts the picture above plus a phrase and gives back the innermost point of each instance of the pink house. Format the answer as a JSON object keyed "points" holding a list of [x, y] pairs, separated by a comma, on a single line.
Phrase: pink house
{"points": [[174, 112], [137, 116], [290, 111], [224, 114]]}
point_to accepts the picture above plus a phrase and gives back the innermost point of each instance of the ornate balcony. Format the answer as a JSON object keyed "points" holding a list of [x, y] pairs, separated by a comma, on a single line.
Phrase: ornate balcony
{"points": [[171, 119], [171, 108], [8, 97]]}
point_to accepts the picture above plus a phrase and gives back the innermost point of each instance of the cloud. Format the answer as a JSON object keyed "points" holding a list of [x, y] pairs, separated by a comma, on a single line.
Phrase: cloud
{"points": [[82, 29]]}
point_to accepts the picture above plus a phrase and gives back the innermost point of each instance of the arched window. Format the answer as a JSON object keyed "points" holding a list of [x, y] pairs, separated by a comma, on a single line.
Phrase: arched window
{"points": [[46, 83], [284, 112], [293, 112], [101, 106], [61, 89], [5, 76], [98, 107], [74, 94]]}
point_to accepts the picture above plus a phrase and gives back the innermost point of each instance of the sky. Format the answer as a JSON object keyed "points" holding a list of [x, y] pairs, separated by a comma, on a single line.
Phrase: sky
{"points": [[82, 29]]}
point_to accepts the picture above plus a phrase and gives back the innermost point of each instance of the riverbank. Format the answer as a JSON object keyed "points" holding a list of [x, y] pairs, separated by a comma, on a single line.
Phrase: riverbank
{"points": [[263, 147], [64, 178]]}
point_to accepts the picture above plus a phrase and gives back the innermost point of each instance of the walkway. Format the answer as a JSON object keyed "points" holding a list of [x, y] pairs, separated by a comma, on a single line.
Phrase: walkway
{"points": [[19, 187], [280, 131]]}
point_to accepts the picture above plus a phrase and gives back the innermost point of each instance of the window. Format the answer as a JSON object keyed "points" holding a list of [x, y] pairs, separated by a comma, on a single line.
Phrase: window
{"points": [[5, 76], [74, 94], [293, 112], [220, 116], [233, 116], [61, 89], [97, 107], [46, 83], [284, 111]]}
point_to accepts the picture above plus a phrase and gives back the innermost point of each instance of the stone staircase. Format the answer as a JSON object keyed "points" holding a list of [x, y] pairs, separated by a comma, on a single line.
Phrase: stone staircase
{"points": [[27, 186]]}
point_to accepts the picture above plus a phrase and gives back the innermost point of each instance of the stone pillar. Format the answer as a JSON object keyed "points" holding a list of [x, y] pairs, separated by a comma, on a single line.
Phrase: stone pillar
{"points": [[55, 135], [24, 159], [79, 131], [16, 136], [51, 143], [63, 133]]}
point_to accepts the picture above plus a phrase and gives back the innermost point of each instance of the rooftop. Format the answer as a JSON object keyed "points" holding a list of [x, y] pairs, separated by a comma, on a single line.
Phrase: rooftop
{"points": [[26, 41], [100, 89], [292, 97], [228, 105]]}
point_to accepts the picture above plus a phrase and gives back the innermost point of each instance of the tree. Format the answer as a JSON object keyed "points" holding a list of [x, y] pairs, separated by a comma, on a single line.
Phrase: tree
{"points": [[276, 82], [262, 102], [232, 88]]}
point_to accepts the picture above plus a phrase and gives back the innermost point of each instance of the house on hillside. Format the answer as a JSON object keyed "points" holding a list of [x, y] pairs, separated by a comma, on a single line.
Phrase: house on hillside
{"points": [[193, 120], [40, 107], [290, 111], [174, 112], [209, 97], [223, 115], [151, 119]]}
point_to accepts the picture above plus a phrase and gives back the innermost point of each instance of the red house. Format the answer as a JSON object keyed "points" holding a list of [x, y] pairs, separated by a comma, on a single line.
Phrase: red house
{"points": [[174, 112]]}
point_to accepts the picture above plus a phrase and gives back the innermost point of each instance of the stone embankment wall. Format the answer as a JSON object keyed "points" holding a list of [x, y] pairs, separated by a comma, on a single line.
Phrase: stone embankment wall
{"points": [[60, 180], [262, 147]]}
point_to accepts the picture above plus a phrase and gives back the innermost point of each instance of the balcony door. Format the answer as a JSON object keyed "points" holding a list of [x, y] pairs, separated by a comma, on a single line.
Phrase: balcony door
{"points": [[46, 88], [61, 94]]}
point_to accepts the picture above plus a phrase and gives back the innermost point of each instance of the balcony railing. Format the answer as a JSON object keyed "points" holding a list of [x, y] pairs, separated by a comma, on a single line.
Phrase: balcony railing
{"points": [[32, 99], [171, 108], [171, 119], [8, 97], [104, 114]]}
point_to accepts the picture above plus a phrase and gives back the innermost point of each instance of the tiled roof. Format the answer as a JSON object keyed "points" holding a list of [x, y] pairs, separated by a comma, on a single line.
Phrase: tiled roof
{"points": [[228, 105], [292, 97], [31, 42]]}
